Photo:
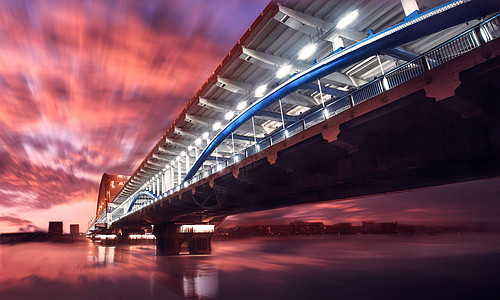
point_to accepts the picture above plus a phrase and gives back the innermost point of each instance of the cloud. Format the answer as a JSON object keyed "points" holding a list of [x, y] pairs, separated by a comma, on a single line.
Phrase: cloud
{"points": [[88, 87], [474, 201], [23, 225]]}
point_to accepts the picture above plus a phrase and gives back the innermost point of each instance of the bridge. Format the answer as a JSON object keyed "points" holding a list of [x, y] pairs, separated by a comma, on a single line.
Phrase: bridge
{"points": [[321, 101]]}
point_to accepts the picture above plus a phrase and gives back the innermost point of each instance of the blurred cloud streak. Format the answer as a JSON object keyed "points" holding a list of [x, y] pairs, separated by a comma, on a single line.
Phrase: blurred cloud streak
{"points": [[88, 87]]}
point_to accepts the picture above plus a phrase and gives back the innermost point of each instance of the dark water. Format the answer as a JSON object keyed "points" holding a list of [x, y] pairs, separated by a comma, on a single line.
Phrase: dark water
{"points": [[348, 267]]}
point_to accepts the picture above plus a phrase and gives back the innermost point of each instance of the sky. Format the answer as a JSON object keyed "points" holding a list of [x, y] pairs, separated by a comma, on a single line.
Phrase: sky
{"points": [[88, 87]]}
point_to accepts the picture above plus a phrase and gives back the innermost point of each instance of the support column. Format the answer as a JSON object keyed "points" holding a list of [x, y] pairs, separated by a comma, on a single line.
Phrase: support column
{"points": [[158, 191], [172, 181], [187, 162], [409, 6], [169, 240], [163, 182], [179, 172]]}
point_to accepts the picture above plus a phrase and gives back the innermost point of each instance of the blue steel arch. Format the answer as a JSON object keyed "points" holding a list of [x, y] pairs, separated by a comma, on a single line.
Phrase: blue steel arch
{"points": [[413, 27], [141, 193]]}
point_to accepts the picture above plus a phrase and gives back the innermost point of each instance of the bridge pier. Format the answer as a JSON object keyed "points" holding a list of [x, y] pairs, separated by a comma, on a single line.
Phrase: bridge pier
{"points": [[172, 238]]}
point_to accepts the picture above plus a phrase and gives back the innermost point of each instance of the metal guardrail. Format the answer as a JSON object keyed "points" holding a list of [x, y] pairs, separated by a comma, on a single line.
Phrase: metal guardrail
{"points": [[459, 45]]}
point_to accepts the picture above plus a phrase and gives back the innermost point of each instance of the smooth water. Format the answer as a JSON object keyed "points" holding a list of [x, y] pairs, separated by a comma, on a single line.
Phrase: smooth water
{"points": [[338, 267]]}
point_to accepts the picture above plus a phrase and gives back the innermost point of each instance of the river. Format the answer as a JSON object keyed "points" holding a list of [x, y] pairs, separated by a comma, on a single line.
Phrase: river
{"points": [[324, 267]]}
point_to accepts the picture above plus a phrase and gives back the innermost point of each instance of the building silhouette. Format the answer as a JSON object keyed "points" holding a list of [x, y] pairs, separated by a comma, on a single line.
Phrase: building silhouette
{"points": [[56, 228], [74, 229]]}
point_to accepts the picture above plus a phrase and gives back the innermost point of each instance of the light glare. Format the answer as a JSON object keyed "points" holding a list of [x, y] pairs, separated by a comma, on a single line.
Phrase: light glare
{"points": [[229, 115], [260, 91], [348, 19], [284, 71], [241, 105], [216, 126], [307, 51]]}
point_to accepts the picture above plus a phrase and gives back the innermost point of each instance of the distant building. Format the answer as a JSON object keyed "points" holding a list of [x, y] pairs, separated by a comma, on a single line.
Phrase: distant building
{"points": [[56, 228], [370, 227], [389, 227], [74, 229], [301, 227], [341, 228]]}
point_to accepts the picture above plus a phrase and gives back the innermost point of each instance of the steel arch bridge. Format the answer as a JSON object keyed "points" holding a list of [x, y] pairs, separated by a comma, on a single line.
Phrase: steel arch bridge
{"points": [[313, 89]]}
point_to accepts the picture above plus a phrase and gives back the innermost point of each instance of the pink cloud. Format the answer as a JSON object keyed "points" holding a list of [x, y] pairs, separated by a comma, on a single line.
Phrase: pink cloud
{"points": [[89, 87]]}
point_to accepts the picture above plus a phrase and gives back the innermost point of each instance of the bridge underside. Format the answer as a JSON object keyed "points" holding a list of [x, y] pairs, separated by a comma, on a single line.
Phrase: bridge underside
{"points": [[438, 128]]}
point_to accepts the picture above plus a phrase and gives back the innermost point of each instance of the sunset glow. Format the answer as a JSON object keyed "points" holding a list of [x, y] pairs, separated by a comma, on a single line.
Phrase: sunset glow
{"points": [[88, 87]]}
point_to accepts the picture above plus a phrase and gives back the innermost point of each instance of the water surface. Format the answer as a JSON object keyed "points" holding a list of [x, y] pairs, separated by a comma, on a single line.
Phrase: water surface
{"points": [[338, 267]]}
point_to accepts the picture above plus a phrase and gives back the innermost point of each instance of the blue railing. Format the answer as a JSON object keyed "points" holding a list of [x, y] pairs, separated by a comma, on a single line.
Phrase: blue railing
{"points": [[472, 38]]}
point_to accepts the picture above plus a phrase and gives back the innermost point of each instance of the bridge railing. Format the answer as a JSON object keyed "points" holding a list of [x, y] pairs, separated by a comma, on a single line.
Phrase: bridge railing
{"points": [[470, 39]]}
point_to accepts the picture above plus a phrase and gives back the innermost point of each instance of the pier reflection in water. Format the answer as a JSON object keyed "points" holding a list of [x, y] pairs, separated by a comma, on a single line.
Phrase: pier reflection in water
{"points": [[454, 266]]}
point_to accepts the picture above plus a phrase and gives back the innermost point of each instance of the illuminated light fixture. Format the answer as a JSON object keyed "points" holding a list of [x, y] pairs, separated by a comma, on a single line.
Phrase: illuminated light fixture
{"points": [[284, 71], [197, 141], [191, 147], [196, 228], [325, 113], [385, 83], [307, 51], [241, 105], [260, 91], [484, 34], [216, 126], [229, 115], [347, 19], [205, 135], [183, 153], [178, 158]]}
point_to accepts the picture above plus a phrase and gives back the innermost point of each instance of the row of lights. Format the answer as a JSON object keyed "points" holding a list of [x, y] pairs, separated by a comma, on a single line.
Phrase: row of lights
{"points": [[305, 53]]}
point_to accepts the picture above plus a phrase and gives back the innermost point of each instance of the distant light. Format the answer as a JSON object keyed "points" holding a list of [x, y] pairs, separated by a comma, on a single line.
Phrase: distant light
{"points": [[172, 162], [307, 51], [196, 228], [190, 147], [197, 141], [241, 105], [205, 135], [284, 71], [348, 19], [183, 153], [216, 126], [229, 115], [260, 91], [178, 157]]}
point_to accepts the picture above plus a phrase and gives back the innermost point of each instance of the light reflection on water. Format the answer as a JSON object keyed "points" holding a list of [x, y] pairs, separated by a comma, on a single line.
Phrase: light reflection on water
{"points": [[456, 266]]}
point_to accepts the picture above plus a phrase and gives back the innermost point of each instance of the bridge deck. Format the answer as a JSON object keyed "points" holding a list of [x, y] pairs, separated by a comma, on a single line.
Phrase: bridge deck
{"points": [[439, 127]]}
